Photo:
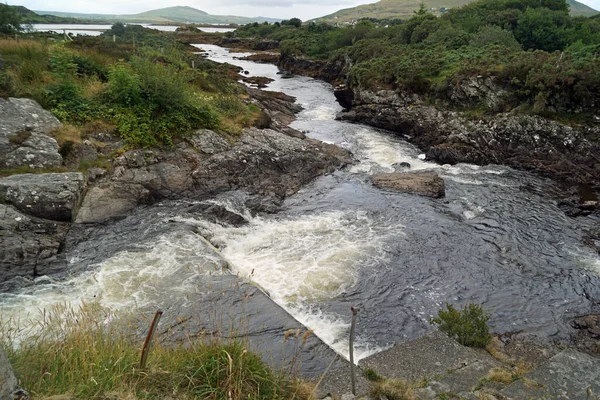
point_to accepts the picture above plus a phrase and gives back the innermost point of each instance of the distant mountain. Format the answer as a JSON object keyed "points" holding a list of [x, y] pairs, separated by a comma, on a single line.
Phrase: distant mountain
{"points": [[178, 14], [30, 17], [404, 9]]}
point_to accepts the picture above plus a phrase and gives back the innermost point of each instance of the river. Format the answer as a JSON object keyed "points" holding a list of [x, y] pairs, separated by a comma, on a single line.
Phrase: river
{"points": [[497, 238], [97, 29]]}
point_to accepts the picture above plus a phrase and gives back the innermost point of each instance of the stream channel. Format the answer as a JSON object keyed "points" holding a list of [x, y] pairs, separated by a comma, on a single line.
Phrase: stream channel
{"points": [[497, 239]]}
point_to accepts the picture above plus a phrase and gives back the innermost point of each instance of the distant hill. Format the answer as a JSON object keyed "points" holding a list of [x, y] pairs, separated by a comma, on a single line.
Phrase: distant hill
{"points": [[178, 14], [404, 9], [30, 17]]}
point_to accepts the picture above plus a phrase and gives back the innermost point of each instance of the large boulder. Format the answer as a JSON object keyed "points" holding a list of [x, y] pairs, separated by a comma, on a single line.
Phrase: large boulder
{"points": [[54, 196], [268, 162], [23, 139], [425, 183], [111, 200], [29, 246]]}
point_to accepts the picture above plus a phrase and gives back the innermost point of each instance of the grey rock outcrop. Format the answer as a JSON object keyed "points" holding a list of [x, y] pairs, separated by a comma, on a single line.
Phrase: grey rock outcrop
{"points": [[530, 143], [23, 139], [111, 200], [568, 375], [268, 162], [425, 183], [54, 196], [261, 161], [29, 246]]}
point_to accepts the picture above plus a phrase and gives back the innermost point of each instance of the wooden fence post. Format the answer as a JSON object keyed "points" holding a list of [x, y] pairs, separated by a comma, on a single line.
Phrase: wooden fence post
{"points": [[352, 325], [146, 348]]}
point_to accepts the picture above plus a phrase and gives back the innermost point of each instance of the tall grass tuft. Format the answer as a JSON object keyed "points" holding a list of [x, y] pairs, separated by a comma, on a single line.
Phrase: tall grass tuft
{"points": [[88, 352]]}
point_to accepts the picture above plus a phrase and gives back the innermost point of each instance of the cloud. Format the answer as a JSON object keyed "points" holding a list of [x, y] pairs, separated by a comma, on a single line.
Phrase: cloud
{"points": [[286, 3]]}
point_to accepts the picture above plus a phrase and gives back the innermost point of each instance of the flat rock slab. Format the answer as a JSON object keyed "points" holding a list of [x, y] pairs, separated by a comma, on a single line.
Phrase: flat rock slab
{"points": [[567, 375], [54, 196], [431, 355], [425, 183], [464, 379], [23, 140]]}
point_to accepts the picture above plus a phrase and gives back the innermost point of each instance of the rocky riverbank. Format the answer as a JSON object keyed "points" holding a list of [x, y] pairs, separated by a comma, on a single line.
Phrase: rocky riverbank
{"points": [[271, 161], [449, 133]]}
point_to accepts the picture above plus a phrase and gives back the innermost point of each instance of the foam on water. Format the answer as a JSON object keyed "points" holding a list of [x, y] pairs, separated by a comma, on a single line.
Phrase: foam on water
{"points": [[306, 260], [169, 267]]}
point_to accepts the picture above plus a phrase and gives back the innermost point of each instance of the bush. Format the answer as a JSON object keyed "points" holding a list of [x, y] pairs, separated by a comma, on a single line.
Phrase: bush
{"points": [[468, 326]]}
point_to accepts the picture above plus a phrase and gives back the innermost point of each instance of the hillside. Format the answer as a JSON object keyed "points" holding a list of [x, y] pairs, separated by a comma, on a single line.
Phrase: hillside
{"points": [[30, 17], [165, 15], [404, 9]]}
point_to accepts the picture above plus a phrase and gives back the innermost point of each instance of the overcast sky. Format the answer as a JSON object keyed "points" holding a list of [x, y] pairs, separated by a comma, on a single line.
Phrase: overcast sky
{"points": [[303, 9]]}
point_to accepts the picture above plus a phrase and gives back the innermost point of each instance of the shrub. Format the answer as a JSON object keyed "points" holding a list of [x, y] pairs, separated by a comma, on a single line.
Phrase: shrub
{"points": [[468, 326], [123, 85]]}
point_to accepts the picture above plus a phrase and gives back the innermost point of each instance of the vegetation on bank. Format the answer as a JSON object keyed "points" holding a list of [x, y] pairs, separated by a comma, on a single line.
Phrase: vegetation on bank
{"points": [[141, 87], [546, 60], [468, 326], [89, 353]]}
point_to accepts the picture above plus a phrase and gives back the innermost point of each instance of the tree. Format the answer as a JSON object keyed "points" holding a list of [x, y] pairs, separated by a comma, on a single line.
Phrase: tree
{"points": [[542, 29], [297, 22], [10, 20], [118, 29]]}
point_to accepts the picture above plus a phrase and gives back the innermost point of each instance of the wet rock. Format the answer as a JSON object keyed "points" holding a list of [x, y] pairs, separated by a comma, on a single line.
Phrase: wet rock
{"points": [[260, 81], [23, 139], [111, 200], [54, 196], [264, 58], [398, 167], [280, 107], [524, 142], [344, 96], [268, 162], [29, 246], [217, 213], [423, 183]]}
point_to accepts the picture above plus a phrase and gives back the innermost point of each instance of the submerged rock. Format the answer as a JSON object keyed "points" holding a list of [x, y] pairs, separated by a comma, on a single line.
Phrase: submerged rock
{"points": [[54, 196], [23, 139], [423, 183]]}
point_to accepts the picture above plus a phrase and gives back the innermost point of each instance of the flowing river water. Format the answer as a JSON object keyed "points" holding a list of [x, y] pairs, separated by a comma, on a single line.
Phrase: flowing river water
{"points": [[497, 239]]}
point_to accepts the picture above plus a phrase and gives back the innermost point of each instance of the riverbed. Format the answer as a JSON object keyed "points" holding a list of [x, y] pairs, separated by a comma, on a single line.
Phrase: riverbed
{"points": [[497, 239]]}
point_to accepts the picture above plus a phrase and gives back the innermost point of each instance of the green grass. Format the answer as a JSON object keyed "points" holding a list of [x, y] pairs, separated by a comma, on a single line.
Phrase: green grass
{"points": [[149, 93], [76, 353]]}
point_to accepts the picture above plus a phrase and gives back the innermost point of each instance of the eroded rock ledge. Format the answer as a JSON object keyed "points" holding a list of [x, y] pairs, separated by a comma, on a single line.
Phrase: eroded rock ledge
{"points": [[566, 154], [37, 210]]}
